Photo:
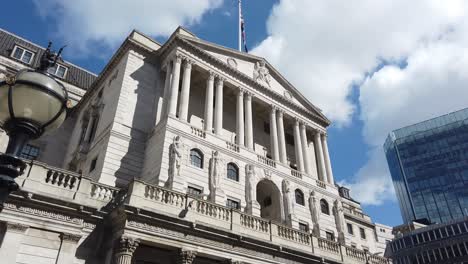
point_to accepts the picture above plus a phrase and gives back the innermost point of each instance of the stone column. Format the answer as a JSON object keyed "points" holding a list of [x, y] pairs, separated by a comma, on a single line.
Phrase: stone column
{"points": [[186, 256], [68, 248], [298, 147], [305, 149], [218, 126], [174, 93], [248, 121], [124, 250], [14, 234], [281, 137], [327, 160], [209, 103], [166, 94], [240, 118], [320, 159], [274, 134], [185, 93]]}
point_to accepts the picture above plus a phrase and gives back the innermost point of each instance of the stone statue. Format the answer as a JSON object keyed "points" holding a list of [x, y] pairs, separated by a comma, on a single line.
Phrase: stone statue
{"points": [[215, 175], [175, 155], [261, 73], [314, 213], [250, 188], [287, 201], [339, 219]]}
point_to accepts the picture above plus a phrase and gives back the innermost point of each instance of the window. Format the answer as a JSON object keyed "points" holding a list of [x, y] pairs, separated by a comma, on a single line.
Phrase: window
{"points": [[232, 204], [93, 164], [193, 191], [363, 233], [232, 172], [324, 207], [304, 227], [58, 70], [330, 236], [350, 228], [196, 158], [30, 152], [22, 54], [299, 197]]}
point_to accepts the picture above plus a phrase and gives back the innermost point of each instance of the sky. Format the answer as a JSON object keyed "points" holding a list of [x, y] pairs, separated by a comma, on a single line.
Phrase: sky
{"points": [[371, 66]]}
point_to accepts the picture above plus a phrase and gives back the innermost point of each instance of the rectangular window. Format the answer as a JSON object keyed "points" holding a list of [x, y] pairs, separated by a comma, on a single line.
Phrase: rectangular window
{"points": [[22, 54], [30, 152], [304, 227], [350, 228], [58, 70], [330, 236], [232, 204], [363, 233], [93, 164], [193, 191]]}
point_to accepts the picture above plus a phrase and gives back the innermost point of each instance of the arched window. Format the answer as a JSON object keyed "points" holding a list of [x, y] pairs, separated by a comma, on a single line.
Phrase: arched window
{"points": [[232, 171], [196, 158], [299, 197], [324, 207]]}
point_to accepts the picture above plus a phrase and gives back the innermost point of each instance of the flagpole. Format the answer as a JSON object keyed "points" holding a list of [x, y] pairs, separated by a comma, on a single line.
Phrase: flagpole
{"points": [[239, 26]]}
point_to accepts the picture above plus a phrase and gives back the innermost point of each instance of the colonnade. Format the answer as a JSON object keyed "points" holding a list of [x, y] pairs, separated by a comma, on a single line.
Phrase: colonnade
{"points": [[213, 120]]}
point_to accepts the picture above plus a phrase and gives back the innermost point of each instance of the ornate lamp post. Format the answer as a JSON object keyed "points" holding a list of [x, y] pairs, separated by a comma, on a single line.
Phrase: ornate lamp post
{"points": [[31, 103]]}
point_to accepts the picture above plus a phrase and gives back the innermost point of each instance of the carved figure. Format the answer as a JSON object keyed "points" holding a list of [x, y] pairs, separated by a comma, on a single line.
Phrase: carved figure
{"points": [[175, 155], [250, 188], [215, 170], [261, 73], [313, 207], [339, 220], [287, 200]]}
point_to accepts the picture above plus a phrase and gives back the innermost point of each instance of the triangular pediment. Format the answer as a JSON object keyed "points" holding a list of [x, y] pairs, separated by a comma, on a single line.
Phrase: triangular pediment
{"points": [[255, 68]]}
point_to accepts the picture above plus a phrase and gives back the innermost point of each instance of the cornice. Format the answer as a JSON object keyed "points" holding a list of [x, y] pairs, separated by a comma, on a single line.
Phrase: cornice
{"points": [[180, 42]]}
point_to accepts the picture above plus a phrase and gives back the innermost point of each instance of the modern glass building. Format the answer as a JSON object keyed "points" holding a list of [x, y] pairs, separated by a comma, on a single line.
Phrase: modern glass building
{"points": [[428, 162]]}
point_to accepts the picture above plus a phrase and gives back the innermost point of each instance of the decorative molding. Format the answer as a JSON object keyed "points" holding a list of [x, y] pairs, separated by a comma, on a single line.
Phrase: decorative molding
{"points": [[186, 256], [43, 213], [127, 245], [16, 227], [232, 63], [70, 237]]}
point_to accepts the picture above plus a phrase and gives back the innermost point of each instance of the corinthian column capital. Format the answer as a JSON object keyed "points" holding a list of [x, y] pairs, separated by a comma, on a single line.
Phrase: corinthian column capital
{"points": [[127, 245], [186, 256]]}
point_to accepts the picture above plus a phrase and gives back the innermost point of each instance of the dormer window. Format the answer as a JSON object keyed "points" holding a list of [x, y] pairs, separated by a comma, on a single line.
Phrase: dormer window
{"points": [[58, 70], [22, 54]]}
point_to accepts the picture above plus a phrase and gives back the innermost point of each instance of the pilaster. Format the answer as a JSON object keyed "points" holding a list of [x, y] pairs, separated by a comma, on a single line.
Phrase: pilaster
{"points": [[174, 93], [218, 127], [320, 160], [274, 134], [209, 102], [248, 121], [240, 117], [298, 147], [14, 234], [185, 93], [281, 137]]}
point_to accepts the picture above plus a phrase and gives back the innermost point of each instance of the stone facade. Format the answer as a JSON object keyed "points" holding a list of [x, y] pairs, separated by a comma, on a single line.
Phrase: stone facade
{"points": [[186, 152]]}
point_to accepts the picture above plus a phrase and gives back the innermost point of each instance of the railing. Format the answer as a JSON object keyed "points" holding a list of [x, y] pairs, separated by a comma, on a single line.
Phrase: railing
{"points": [[165, 196], [232, 146], [266, 161], [321, 184], [62, 179], [356, 213], [198, 132], [255, 223], [294, 235], [328, 245], [102, 192], [296, 173], [209, 209], [355, 253], [373, 259]]}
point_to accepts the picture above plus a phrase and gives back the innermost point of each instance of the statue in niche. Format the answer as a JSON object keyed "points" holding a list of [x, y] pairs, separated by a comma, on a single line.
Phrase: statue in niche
{"points": [[338, 213], [250, 188], [175, 156], [215, 173], [261, 73], [287, 200]]}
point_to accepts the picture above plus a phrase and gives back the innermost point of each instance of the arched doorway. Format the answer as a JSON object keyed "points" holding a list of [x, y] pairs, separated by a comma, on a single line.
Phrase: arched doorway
{"points": [[269, 198]]}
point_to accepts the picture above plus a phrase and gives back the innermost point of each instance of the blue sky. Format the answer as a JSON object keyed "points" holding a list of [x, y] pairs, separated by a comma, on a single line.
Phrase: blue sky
{"points": [[325, 48]]}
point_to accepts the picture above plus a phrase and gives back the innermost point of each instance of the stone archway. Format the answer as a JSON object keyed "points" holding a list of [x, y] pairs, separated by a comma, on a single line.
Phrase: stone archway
{"points": [[269, 198]]}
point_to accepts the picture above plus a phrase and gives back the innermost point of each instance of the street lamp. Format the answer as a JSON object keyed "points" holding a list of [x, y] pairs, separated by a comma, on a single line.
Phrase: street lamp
{"points": [[31, 103]]}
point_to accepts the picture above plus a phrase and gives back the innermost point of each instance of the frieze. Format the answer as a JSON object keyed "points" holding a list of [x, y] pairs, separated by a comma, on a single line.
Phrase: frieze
{"points": [[43, 213], [70, 237]]}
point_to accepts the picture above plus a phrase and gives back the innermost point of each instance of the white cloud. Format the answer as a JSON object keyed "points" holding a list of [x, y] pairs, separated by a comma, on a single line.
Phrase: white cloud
{"points": [[326, 46], [86, 24]]}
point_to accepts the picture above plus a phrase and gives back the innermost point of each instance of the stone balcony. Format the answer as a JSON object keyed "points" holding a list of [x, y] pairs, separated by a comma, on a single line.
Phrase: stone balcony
{"points": [[41, 179]]}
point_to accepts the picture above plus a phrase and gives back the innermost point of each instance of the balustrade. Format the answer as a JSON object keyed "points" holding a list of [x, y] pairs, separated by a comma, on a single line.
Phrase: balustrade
{"points": [[62, 179], [294, 235], [266, 161], [321, 184], [355, 253], [102, 192], [255, 223], [373, 259], [296, 173], [198, 132], [165, 196], [328, 245], [210, 209], [232, 146]]}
